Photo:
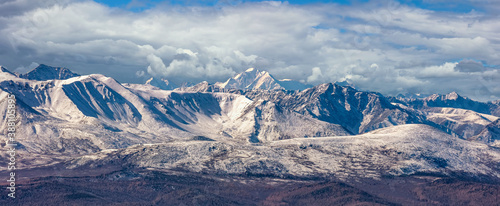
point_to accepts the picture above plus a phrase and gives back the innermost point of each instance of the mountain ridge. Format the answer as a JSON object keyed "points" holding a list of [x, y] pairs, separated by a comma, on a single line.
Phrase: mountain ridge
{"points": [[45, 72], [92, 128], [335, 109], [256, 79]]}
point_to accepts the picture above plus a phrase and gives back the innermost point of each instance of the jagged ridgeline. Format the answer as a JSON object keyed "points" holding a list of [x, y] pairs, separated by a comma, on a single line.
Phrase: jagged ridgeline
{"points": [[252, 107], [251, 125]]}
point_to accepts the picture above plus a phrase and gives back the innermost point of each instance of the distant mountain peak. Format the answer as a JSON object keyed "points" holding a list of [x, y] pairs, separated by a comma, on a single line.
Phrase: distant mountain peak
{"points": [[345, 83], [44, 72], [3, 69], [251, 79], [334, 88], [410, 96], [255, 79], [161, 83], [452, 96], [449, 96]]}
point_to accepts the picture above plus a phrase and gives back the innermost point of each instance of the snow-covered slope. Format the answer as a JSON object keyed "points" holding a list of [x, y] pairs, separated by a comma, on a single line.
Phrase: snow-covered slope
{"points": [[392, 151], [202, 87], [465, 123], [139, 114], [202, 110], [235, 116], [246, 132], [5, 70], [82, 114], [490, 134], [466, 118]]}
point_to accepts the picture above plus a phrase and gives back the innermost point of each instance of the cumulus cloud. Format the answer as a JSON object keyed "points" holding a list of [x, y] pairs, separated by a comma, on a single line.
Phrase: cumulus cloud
{"points": [[387, 47], [156, 66], [315, 76]]}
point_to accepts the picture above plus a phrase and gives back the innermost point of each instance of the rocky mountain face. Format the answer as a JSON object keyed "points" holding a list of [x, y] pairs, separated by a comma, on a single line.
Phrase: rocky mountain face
{"points": [[490, 133], [358, 112], [250, 127], [256, 115], [464, 117], [44, 72], [453, 100], [70, 107]]}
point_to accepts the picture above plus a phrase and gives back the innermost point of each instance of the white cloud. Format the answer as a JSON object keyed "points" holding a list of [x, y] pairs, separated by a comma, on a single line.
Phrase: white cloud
{"points": [[445, 70], [315, 76], [414, 49], [156, 66]]}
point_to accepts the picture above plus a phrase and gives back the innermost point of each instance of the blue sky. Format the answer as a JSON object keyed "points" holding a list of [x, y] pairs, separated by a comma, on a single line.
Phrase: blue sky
{"points": [[135, 6], [118, 3], [459, 6], [388, 46]]}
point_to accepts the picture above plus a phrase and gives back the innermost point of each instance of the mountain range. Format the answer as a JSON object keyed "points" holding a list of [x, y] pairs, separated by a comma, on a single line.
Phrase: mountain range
{"points": [[252, 125]]}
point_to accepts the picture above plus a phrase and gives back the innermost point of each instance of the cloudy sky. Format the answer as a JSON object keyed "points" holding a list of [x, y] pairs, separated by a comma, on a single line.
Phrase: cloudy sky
{"points": [[386, 46]]}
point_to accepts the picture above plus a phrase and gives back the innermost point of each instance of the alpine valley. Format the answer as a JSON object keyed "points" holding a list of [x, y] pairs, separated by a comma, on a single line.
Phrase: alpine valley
{"points": [[252, 140]]}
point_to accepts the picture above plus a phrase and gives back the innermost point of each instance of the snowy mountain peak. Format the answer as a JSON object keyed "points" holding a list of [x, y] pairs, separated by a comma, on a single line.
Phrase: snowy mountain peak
{"points": [[452, 96], [335, 89], [161, 83], [255, 79], [346, 83], [44, 72], [251, 79]]}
